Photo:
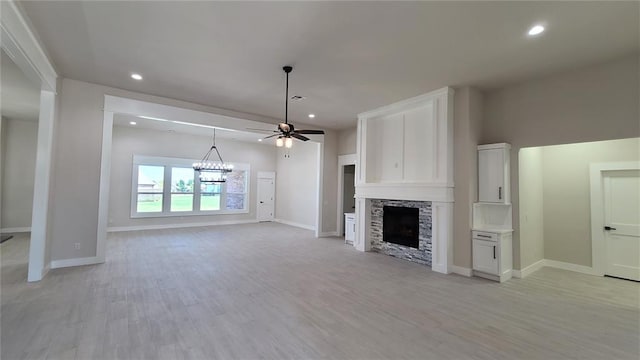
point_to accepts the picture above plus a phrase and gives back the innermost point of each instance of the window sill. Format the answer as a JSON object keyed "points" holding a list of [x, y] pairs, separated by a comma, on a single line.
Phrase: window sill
{"points": [[188, 214]]}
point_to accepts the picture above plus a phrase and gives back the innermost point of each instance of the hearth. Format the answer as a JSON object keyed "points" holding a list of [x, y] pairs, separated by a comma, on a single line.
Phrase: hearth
{"points": [[401, 225]]}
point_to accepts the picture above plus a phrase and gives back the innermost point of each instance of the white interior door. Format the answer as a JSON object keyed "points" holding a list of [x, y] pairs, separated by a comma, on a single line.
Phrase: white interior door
{"points": [[266, 194], [622, 223]]}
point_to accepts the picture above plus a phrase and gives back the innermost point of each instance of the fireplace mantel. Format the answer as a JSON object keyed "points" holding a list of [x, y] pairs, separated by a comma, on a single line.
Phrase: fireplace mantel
{"points": [[405, 152]]}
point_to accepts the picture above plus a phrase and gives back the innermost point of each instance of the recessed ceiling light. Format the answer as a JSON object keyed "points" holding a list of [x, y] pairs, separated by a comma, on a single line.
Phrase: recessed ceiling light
{"points": [[311, 116], [536, 30], [133, 123], [260, 140], [135, 76]]}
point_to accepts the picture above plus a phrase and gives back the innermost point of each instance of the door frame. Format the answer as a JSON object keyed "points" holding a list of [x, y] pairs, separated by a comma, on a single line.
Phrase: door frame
{"points": [[21, 44], [596, 176], [265, 175], [343, 160]]}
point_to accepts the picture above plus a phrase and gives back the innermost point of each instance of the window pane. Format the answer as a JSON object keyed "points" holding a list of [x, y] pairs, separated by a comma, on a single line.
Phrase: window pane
{"points": [[149, 203], [236, 181], [181, 202], [210, 202], [181, 180], [150, 178], [235, 201], [210, 188]]}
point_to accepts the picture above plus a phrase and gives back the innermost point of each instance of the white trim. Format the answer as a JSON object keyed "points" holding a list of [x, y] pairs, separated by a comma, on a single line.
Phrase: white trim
{"points": [[405, 191], [56, 264], [598, 248], [407, 104], [16, 230], [178, 226], [291, 223], [22, 45], [320, 192], [442, 236], [329, 234], [343, 160], [529, 269], [103, 195], [461, 270], [569, 266]]}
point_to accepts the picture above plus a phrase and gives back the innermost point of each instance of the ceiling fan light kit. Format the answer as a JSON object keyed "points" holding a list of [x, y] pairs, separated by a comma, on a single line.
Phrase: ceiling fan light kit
{"points": [[285, 132]]}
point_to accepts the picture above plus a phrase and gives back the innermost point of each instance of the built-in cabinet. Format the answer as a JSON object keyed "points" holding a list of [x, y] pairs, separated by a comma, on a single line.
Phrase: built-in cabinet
{"points": [[349, 227], [493, 173], [492, 215], [492, 254]]}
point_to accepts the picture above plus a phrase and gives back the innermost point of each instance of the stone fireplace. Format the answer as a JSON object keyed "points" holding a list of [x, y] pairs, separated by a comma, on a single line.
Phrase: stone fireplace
{"points": [[380, 223], [405, 159]]}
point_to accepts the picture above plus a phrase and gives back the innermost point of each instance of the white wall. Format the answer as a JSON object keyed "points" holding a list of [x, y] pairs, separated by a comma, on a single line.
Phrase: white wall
{"points": [[129, 141], [347, 140], [19, 158], [531, 206], [598, 102], [567, 204], [297, 184]]}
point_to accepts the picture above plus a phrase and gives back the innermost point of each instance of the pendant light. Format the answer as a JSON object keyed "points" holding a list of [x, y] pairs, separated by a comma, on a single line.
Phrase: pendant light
{"points": [[212, 172]]}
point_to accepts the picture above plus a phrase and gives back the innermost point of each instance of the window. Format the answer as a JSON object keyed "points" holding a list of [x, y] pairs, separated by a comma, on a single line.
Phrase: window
{"points": [[184, 194]]}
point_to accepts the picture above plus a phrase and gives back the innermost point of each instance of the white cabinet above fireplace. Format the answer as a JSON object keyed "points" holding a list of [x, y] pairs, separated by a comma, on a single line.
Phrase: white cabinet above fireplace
{"points": [[406, 149]]}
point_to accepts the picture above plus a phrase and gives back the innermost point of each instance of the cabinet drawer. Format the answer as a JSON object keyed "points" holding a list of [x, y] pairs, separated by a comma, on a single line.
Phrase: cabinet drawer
{"points": [[483, 235]]}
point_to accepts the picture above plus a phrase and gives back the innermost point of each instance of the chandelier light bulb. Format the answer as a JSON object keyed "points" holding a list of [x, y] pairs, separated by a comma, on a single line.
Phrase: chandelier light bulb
{"points": [[279, 142], [288, 142]]}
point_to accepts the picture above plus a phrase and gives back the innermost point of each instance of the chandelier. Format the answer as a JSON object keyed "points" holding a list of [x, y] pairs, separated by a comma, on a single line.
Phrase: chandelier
{"points": [[212, 172]]}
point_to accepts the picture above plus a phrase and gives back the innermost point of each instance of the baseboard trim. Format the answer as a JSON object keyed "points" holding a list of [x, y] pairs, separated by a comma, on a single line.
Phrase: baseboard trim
{"points": [[16, 230], [291, 223], [178, 226], [57, 264], [329, 234], [569, 266], [529, 269], [461, 270]]}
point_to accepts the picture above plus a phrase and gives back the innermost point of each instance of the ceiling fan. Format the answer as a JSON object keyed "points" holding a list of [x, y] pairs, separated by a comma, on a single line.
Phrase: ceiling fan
{"points": [[285, 132]]}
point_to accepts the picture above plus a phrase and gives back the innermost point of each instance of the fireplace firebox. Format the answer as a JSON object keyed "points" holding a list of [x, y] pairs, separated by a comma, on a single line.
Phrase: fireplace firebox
{"points": [[401, 225]]}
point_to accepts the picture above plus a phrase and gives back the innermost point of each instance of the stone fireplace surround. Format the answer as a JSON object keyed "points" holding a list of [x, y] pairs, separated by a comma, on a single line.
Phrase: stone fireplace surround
{"points": [[422, 255]]}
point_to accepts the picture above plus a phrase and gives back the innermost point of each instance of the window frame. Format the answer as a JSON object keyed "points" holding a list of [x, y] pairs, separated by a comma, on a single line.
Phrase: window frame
{"points": [[170, 163]]}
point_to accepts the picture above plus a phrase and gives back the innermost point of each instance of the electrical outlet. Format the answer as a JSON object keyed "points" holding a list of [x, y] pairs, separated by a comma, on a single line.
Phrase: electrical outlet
{"points": [[76, 246]]}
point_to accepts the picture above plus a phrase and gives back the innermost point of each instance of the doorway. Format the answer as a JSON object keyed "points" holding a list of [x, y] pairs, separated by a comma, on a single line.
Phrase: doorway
{"points": [[18, 144], [562, 206], [265, 208], [615, 211], [346, 189]]}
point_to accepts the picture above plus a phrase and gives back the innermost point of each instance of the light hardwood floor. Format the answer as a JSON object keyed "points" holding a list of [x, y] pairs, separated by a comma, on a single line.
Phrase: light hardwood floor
{"points": [[273, 291]]}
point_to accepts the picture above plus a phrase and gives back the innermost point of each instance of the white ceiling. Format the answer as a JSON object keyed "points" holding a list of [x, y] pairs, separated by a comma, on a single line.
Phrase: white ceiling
{"points": [[19, 97], [124, 120], [348, 57]]}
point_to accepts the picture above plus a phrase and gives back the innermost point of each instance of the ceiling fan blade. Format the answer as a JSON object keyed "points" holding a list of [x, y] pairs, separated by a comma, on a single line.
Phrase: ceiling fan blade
{"points": [[310, 132], [270, 136], [299, 137], [261, 130]]}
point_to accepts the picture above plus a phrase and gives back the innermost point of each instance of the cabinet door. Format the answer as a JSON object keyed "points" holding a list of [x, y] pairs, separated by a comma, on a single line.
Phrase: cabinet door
{"points": [[485, 256], [491, 175]]}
